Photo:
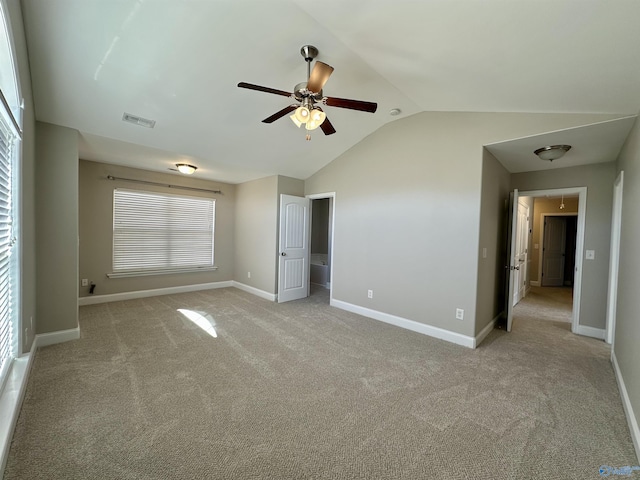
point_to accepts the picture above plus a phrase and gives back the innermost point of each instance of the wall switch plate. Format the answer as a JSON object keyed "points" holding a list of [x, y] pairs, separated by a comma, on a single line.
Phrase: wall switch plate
{"points": [[459, 314], [85, 282], [590, 254], [536, 246], [484, 252], [369, 293], [248, 274]]}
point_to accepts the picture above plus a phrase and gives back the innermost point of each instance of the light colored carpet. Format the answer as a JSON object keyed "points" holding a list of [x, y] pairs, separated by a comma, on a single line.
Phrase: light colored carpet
{"points": [[546, 303], [306, 391]]}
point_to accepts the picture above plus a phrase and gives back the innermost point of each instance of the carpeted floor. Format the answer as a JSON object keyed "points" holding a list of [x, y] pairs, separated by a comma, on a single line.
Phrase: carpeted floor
{"points": [[546, 303], [306, 391]]}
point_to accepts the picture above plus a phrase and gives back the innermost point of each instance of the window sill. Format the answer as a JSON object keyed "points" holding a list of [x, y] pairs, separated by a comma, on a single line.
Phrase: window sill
{"points": [[167, 271]]}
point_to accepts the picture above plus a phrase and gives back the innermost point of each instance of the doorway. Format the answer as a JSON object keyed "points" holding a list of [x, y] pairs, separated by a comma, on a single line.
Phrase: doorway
{"points": [[321, 245], [558, 239], [560, 258]]}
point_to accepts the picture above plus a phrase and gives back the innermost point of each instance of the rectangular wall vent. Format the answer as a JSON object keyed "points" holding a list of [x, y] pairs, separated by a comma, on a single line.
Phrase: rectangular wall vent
{"points": [[136, 120]]}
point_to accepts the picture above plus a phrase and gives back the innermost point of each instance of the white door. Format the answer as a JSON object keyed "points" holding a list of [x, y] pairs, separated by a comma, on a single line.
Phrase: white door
{"points": [[554, 240], [522, 240], [513, 265], [293, 259]]}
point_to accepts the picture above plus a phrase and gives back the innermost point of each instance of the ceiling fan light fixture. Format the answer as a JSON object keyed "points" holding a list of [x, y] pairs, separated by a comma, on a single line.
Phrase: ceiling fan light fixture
{"points": [[552, 152], [302, 114], [318, 116], [185, 168], [295, 120]]}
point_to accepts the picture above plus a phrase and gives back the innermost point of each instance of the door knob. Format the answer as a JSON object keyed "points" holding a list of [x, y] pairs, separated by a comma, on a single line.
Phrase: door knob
{"points": [[517, 267], [283, 254]]}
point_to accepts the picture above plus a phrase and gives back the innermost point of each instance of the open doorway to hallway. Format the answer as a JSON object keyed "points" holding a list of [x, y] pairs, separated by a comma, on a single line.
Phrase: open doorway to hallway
{"points": [[551, 260]]}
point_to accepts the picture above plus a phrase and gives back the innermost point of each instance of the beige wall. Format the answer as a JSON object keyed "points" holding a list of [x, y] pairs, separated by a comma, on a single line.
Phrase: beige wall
{"points": [[257, 219], [493, 229], [407, 212], [542, 206], [57, 227], [96, 228], [256, 215], [599, 180], [27, 182], [627, 334]]}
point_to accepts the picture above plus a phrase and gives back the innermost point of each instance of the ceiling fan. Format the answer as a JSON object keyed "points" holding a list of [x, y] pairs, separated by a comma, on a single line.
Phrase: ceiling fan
{"points": [[308, 94]]}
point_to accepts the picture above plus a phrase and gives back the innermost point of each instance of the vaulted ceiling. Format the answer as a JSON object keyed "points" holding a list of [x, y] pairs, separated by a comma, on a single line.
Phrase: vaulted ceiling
{"points": [[178, 62]]}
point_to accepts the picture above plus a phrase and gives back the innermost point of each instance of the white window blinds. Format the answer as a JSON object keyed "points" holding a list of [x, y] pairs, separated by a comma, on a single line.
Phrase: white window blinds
{"points": [[7, 241], [161, 232]]}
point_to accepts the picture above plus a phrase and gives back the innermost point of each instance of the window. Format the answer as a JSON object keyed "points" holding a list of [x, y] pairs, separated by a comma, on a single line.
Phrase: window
{"points": [[160, 233], [10, 132]]}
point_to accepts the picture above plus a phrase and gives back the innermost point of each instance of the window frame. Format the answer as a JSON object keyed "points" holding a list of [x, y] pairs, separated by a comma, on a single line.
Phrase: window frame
{"points": [[174, 259]]}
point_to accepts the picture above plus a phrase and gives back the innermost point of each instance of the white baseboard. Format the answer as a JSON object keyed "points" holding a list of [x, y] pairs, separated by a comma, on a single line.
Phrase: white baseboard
{"points": [[412, 325], [255, 291], [61, 336], [534, 283], [598, 333], [115, 297], [11, 402], [632, 420], [486, 331]]}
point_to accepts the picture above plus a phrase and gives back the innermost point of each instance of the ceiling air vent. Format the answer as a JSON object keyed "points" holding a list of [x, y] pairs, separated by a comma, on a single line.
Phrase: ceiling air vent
{"points": [[136, 120]]}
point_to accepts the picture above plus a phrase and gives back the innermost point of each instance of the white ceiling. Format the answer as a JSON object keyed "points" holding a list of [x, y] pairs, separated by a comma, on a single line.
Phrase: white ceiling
{"points": [[178, 62]]}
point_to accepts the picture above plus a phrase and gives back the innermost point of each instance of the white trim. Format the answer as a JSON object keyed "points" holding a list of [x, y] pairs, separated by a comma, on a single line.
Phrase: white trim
{"points": [[534, 283], [61, 336], [486, 331], [598, 333], [614, 259], [632, 420], [412, 325], [255, 291], [11, 401], [580, 234], [115, 297]]}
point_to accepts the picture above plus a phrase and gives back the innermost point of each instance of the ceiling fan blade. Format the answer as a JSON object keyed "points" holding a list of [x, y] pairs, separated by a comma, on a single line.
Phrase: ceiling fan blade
{"points": [[351, 104], [280, 114], [319, 76], [259, 88], [327, 127]]}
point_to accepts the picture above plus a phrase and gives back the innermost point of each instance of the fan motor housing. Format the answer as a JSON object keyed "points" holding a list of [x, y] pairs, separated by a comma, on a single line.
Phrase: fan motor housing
{"points": [[300, 92]]}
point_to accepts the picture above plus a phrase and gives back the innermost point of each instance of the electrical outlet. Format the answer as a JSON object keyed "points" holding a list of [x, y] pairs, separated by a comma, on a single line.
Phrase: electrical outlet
{"points": [[369, 293], [85, 282], [248, 274], [459, 314]]}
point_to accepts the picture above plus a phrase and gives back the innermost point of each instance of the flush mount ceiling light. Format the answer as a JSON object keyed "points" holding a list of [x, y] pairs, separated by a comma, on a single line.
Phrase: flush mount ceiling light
{"points": [[186, 168], [552, 152]]}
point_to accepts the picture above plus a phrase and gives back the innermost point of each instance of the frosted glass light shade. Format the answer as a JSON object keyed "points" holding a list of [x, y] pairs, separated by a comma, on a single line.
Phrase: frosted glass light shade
{"points": [[553, 152], [186, 168], [302, 114]]}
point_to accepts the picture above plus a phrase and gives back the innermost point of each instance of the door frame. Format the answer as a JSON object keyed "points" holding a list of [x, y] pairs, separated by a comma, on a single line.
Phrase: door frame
{"points": [[582, 213], [542, 220], [614, 260], [332, 221]]}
